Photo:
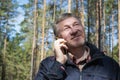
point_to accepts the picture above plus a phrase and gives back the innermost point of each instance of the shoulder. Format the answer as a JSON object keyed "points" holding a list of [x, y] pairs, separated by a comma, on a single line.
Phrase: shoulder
{"points": [[110, 60], [110, 63], [48, 61]]}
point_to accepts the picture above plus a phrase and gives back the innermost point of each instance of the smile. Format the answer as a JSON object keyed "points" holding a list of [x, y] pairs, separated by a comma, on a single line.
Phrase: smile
{"points": [[76, 37]]}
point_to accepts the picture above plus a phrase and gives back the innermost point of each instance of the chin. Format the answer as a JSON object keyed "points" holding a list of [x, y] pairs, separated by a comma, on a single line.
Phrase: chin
{"points": [[79, 45], [76, 45]]}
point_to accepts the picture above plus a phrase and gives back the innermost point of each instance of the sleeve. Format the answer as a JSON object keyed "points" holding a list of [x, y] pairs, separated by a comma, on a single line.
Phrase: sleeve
{"points": [[119, 73], [51, 70], [116, 71]]}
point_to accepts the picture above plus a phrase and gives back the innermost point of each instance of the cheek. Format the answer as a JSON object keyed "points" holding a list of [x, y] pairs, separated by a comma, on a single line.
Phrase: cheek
{"points": [[65, 36]]}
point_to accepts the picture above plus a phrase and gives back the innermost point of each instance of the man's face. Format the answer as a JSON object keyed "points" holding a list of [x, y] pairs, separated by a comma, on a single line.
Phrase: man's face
{"points": [[72, 31]]}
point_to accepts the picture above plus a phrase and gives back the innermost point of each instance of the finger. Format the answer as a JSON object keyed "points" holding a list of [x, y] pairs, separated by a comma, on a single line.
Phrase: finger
{"points": [[63, 46], [60, 41]]}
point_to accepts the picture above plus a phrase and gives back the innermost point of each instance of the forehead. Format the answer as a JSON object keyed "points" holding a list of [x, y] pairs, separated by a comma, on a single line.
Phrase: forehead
{"points": [[68, 21]]}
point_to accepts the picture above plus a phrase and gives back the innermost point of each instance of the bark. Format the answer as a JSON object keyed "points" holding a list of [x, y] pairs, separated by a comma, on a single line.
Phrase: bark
{"points": [[104, 27], [43, 30], [82, 12], [34, 44], [109, 41], [119, 28], [61, 1], [69, 6], [54, 10], [97, 22], [3, 73], [3, 59], [99, 29], [112, 33], [77, 8], [88, 34]]}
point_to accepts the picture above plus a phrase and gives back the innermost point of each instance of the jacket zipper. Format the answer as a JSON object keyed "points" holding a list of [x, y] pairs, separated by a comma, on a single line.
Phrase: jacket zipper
{"points": [[80, 74], [80, 77]]}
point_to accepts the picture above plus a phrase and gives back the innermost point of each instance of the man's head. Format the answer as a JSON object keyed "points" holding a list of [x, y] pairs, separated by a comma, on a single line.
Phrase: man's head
{"points": [[69, 27]]}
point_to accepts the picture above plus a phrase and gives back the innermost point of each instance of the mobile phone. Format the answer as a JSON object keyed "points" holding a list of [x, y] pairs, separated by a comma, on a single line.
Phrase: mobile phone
{"points": [[64, 50]]}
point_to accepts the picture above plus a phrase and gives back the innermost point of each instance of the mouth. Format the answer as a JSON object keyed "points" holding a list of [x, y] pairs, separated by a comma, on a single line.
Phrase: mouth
{"points": [[74, 37]]}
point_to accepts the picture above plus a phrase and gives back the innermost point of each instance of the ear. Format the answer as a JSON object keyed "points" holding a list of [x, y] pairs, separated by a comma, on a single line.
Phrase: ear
{"points": [[59, 36]]}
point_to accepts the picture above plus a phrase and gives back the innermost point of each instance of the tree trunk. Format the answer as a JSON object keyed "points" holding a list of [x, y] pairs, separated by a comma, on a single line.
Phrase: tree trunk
{"points": [[3, 77], [88, 34], [34, 44], [69, 6], [77, 8], [61, 11], [82, 13], [119, 28], [99, 29], [43, 30], [104, 27], [112, 32], [109, 41], [97, 20], [3, 59], [102, 24], [54, 10]]}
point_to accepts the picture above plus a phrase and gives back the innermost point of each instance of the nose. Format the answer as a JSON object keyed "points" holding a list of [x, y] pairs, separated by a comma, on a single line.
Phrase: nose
{"points": [[73, 31]]}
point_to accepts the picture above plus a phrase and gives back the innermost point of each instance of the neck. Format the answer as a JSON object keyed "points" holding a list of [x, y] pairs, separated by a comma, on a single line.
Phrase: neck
{"points": [[77, 52]]}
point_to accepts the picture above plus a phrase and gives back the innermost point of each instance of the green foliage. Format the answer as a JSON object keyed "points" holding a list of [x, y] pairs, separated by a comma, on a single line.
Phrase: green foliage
{"points": [[116, 53], [19, 45]]}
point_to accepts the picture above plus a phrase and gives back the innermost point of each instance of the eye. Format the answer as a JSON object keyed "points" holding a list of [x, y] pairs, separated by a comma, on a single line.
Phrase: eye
{"points": [[66, 28], [76, 24]]}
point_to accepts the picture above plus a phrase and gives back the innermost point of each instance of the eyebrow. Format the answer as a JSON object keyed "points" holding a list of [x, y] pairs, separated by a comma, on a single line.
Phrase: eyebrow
{"points": [[76, 22]]}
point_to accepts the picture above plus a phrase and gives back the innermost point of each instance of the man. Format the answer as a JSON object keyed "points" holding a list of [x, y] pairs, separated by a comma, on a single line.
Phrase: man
{"points": [[74, 58]]}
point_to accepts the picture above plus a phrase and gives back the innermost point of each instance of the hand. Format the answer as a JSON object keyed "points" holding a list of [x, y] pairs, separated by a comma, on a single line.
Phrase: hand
{"points": [[59, 50]]}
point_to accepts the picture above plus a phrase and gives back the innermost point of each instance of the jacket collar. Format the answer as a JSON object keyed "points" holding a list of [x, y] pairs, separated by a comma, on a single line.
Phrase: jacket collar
{"points": [[95, 53]]}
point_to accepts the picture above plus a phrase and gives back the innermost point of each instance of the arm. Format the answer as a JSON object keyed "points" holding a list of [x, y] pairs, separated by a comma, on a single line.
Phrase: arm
{"points": [[119, 73], [50, 69]]}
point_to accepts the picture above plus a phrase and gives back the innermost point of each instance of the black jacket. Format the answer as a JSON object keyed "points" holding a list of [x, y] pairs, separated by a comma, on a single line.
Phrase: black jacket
{"points": [[101, 67]]}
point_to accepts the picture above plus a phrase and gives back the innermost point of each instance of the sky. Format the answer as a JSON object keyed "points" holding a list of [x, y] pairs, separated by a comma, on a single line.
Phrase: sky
{"points": [[20, 17]]}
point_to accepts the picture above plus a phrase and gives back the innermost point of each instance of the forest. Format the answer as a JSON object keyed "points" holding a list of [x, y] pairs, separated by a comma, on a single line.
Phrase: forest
{"points": [[26, 35]]}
